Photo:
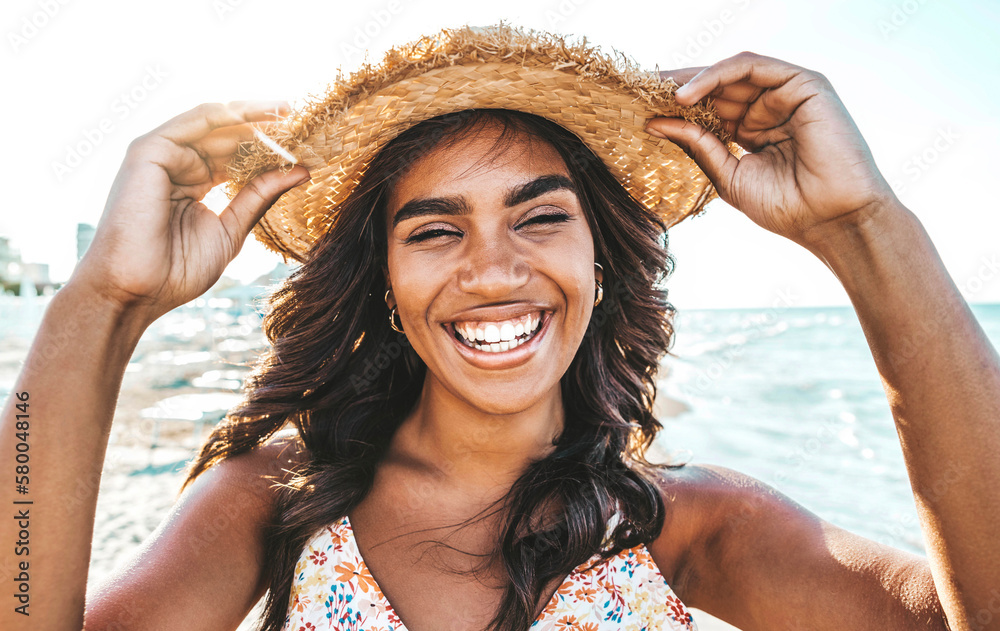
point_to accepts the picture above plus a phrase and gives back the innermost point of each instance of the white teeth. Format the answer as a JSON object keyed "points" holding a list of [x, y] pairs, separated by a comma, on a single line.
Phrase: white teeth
{"points": [[499, 347], [497, 339], [507, 332], [492, 333]]}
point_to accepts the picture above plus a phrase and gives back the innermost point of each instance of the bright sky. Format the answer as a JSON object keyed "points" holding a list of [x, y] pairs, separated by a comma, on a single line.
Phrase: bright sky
{"points": [[918, 76]]}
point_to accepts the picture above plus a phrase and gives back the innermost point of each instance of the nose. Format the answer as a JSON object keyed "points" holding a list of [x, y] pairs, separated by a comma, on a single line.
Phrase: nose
{"points": [[494, 268]]}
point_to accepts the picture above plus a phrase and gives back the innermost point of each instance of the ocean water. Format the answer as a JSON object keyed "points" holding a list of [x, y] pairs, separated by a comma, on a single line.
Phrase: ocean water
{"points": [[790, 396]]}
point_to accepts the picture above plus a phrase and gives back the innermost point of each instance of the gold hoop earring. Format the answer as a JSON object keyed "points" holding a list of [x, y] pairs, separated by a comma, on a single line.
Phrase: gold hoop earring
{"points": [[393, 314], [600, 288]]}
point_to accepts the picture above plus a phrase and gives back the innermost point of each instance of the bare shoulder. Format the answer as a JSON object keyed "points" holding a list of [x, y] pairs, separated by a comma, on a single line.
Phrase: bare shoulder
{"points": [[259, 472], [718, 496], [746, 553], [276, 458], [202, 567], [702, 503]]}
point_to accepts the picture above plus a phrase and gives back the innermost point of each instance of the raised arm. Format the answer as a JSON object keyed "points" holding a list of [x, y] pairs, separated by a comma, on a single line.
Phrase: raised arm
{"points": [[156, 248], [810, 177]]}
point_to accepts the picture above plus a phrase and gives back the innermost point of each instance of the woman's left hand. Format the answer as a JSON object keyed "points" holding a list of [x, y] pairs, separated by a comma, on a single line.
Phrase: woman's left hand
{"points": [[808, 165]]}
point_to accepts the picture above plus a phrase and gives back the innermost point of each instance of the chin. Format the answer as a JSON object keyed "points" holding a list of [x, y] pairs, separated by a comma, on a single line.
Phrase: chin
{"points": [[499, 399]]}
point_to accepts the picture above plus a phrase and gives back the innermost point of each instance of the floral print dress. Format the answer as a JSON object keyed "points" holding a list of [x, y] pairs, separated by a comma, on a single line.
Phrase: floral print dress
{"points": [[333, 590]]}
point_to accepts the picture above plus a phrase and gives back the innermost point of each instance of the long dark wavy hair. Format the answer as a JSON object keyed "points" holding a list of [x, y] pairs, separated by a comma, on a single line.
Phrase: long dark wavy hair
{"points": [[338, 373]]}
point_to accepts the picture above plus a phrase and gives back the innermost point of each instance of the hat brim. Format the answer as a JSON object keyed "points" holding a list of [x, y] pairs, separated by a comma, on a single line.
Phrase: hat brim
{"points": [[605, 102]]}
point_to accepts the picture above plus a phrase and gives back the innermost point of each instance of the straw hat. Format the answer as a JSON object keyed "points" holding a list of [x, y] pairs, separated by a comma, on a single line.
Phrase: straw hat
{"points": [[606, 101]]}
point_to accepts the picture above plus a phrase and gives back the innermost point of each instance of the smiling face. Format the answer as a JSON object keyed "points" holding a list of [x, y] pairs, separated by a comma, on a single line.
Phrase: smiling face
{"points": [[491, 262]]}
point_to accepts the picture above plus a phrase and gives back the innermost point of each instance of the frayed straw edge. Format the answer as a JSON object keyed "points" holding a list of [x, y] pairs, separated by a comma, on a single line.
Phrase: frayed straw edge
{"points": [[501, 43]]}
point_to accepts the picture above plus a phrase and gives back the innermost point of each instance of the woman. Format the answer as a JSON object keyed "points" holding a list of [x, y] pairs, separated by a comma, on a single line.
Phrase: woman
{"points": [[523, 463]]}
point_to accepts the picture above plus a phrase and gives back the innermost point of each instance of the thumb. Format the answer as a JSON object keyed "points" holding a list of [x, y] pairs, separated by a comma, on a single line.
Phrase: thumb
{"points": [[256, 197], [704, 148]]}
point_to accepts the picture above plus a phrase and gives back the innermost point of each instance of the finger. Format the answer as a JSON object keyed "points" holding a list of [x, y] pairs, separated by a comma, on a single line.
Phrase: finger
{"points": [[751, 125], [198, 122], [757, 70], [708, 151], [215, 151], [223, 143], [730, 110], [218, 148], [254, 199], [681, 75], [741, 91]]}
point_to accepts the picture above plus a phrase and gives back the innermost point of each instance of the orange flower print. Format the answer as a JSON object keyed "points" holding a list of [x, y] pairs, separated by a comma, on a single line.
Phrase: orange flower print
{"points": [[566, 588], [551, 607], [301, 602], [586, 594], [349, 573], [346, 572], [647, 559], [625, 592], [337, 536], [367, 581]]}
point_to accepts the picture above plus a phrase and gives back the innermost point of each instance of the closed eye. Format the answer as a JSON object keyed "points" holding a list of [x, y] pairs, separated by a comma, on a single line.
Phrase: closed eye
{"points": [[547, 218], [430, 234]]}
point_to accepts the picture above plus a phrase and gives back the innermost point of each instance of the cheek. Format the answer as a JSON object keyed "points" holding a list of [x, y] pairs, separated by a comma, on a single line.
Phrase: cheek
{"points": [[576, 268], [413, 286]]}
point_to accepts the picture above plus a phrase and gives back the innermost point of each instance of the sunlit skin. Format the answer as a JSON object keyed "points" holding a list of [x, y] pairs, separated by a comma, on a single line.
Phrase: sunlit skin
{"points": [[492, 263], [730, 545]]}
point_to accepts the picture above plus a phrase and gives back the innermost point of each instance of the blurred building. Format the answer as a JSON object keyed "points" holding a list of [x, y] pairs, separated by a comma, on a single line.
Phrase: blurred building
{"points": [[37, 273], [84, 235], [20, 278], [10, 266], [251, 297]]}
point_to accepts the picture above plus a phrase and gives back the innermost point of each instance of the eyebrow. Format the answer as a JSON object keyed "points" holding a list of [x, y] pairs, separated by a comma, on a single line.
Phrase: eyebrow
{"points": [[460, 206]]}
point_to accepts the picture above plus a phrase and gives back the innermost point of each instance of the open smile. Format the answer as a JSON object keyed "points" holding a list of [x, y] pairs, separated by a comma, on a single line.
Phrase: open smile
{"points": [[500, 344]]}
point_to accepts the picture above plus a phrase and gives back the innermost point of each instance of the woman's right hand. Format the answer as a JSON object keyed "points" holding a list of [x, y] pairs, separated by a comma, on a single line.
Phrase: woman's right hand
{"points": [[157, 246]]}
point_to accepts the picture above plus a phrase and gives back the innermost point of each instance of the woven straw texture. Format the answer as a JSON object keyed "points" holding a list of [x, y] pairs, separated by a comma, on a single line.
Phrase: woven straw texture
{"points": [[606, 101]]}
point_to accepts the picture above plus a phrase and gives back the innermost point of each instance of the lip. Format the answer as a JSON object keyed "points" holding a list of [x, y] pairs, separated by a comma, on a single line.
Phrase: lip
{"points": [[504, 359], [498, 313]]}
